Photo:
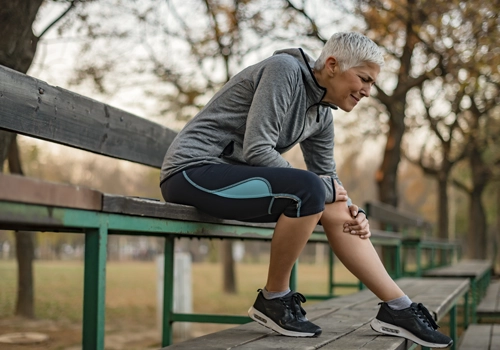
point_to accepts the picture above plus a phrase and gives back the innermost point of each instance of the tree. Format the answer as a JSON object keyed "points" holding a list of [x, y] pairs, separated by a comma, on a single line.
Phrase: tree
{"points": [[438, 161], [463, 34], [483, 156], [395, 26], [18, 46], [187, 60]]}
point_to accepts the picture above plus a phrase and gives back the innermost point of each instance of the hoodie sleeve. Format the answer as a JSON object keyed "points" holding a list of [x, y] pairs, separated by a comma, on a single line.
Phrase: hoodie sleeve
{"points": [[274, 90], [318, 155]]}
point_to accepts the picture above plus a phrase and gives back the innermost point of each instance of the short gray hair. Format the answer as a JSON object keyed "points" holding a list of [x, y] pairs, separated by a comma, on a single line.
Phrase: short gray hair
{"points": [[350, 49]]}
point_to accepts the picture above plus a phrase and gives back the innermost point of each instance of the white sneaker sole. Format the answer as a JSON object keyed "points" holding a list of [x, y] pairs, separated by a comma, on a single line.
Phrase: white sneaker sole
{"points": [[259, 317], [390, 329]]}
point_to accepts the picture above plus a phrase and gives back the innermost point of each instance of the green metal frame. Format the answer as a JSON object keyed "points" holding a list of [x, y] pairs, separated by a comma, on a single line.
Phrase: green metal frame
{"points": [[478, 289], [98, 225]]}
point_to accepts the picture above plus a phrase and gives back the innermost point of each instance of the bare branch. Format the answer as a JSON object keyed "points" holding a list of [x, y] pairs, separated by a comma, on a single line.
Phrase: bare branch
{"points": [[461, 186], [71, 6], [314, 27]]}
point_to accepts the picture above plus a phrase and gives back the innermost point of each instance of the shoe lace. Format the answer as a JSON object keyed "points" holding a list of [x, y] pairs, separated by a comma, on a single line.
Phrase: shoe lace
{"points": [[297, 298], [426, 316]]}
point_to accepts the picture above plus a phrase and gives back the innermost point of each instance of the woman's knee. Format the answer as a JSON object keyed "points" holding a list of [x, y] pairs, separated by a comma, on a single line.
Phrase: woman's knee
{"points": [[315, 186], [315, 192], [336, 213]]}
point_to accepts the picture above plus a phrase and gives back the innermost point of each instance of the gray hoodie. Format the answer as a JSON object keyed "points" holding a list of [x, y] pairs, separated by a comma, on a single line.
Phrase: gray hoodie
{"points": [[262, 112]]}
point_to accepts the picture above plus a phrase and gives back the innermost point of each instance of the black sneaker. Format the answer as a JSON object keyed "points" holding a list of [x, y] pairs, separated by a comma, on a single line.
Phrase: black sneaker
{"points": [[414, 323], [284, 315]]}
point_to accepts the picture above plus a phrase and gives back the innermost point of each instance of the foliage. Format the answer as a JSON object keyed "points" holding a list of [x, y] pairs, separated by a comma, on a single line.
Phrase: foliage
{"points": [[177, 62]]}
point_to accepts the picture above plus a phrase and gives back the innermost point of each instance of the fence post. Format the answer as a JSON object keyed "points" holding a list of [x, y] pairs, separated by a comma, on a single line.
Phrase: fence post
{"points": [[174, 292], [94, 288]]}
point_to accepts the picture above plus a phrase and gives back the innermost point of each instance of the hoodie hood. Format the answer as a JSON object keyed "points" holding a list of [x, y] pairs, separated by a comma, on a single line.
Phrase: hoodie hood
{"points": [[315, 92]]}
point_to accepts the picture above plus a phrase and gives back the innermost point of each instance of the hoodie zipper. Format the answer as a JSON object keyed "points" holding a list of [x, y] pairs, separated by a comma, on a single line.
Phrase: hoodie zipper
{"points": [[317, 104]]}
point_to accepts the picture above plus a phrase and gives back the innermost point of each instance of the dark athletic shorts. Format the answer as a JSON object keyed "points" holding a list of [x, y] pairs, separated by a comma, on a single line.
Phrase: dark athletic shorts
{"points": [[247, 193]]}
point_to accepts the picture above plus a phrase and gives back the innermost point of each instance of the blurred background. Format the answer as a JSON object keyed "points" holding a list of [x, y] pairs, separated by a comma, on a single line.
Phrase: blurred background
{"points": [[427, 141]]}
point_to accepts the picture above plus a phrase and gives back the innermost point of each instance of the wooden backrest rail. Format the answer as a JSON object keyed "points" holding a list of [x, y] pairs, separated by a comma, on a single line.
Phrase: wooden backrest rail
{"points": [[32, 107]]}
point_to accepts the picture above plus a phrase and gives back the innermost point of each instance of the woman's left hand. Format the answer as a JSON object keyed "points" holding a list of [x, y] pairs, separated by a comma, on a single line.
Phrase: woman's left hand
{"points": [[359, 224]]}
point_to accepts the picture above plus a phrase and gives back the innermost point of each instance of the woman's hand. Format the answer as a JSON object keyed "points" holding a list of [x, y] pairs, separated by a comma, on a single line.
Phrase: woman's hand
{"points": [[340, 192], [359, 224]]}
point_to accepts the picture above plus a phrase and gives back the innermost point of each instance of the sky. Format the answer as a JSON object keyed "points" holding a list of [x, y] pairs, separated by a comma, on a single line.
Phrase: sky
{"points": [[57, 56]]}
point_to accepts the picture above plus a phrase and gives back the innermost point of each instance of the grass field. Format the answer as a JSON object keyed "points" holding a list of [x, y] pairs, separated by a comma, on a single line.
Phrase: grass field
{"points": [[131, 291]]}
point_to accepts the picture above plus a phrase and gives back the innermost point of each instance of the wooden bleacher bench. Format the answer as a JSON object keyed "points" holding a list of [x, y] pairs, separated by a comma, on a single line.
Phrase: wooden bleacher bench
{"points": [[489, 307], [416, 238], [33, 108], [481, 337], [478, 271], [345, 322]]}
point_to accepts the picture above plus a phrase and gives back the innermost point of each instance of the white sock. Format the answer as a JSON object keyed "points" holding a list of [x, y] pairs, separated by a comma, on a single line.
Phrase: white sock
{"points": [[273, 295], [400, 303]]}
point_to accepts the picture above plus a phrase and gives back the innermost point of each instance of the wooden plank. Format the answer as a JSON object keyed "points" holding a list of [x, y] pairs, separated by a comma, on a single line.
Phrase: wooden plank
{"points": [[411, 286], [388, 214], [253, 333], [437, 297], [34, 108], [366, 338], [477, 337], [440, 297], [29, 190], [335, 325], [344, 320], [158, 209], [464, 268], [154, 208], [495, 337], [491, 302]]}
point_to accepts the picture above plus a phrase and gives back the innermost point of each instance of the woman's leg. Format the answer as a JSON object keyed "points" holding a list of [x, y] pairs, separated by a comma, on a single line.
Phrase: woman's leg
{"points": [[358, 255], [290, 237]]}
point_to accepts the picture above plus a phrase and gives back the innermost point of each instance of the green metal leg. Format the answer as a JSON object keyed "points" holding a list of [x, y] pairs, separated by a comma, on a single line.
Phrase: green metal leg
{"points": [[168, 291], [433, 258], [293, 276], [418, 259], [466, 310], [404, 257], [361, 286], [453, 326], [389, 260], [474, 292], [399, 268], [94, 290], [330, 272]]}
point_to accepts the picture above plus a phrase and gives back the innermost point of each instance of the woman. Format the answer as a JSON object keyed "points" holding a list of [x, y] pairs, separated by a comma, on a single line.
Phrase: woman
{"points": [[227, 162]]}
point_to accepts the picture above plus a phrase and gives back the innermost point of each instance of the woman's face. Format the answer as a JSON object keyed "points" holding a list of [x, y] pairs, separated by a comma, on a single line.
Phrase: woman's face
{"points": [[346, 89]]}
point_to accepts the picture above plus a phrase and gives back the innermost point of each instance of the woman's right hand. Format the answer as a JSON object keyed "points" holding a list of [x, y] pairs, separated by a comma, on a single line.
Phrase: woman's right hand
{"points": [[340, 192]]}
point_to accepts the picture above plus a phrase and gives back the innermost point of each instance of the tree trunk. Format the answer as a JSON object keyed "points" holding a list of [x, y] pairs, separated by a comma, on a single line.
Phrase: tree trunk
{"points": [[229, 283], [496, 254], [443, 218], [5, 142], [477, 235], [17, 41], [477, 241], [387, 174], [25, 250], [18, 46]]}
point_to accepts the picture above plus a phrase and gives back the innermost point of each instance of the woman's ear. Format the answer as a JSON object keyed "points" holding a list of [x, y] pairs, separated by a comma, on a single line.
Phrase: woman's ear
{"points": [[332, 65]]}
